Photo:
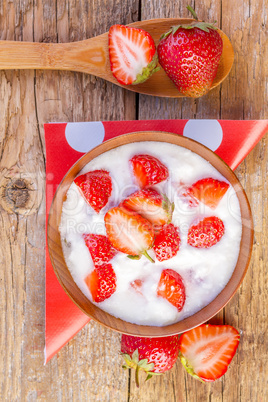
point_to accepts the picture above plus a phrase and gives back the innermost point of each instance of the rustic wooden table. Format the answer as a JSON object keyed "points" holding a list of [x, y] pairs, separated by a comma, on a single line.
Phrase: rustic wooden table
{"points": [[88, 368]]}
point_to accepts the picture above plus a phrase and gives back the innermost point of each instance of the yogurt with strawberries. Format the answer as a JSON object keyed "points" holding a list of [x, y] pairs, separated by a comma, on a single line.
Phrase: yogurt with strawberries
{"points": [[204, 271]]}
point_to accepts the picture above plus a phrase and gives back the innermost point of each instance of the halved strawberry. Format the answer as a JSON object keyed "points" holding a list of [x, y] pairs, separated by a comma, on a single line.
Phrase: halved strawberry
{"points": [[101, 282], [171, 287], [167, 242], [96, 188], [148, 170], [207, 351], [100, 248], [151, 205], [132, 53], [206, 233], [128, 232], [209, 191]]}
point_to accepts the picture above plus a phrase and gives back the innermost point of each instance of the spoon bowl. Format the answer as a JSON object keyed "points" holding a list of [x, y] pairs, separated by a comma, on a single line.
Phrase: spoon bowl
{"points": [[91, 56]]}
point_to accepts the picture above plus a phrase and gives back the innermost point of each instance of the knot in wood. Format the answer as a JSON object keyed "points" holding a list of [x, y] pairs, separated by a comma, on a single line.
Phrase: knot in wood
{"points": [[20, 193]]}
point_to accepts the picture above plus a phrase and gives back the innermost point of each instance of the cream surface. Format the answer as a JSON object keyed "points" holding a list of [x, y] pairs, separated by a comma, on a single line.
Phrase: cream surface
{"points": [[205, 272]]}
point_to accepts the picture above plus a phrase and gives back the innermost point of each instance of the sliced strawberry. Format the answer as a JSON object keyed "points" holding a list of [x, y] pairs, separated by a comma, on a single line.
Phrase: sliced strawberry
{"points": [[101, 282], [167, 242], [209, 191], [100, 248], [207, 351], [148, 170], [171, 287], [137, 285], [96, 188], [206, 233], [128, 232], [152, 355], [151, 205], [132, 54]]}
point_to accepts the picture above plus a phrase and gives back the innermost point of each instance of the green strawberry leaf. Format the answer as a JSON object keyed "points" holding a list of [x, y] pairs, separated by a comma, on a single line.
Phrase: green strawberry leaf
{"points": [[134, 257]]}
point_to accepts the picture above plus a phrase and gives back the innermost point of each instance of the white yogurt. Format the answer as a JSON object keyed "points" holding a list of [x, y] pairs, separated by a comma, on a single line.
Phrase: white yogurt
{"points": [[205, 272]]}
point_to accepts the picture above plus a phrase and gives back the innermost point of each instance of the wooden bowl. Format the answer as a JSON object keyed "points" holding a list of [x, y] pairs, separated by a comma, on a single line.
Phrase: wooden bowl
{"points": [[66, 280]]}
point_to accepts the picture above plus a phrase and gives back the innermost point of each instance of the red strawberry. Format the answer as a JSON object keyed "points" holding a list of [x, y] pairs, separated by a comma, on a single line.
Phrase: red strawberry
{"points": [[137, 285], [209, 191], [100, 248], [96, 188], [152, 355], [167, 242], [206, 233], [207, 351], [190, 55], [101, 282], [129, 233], [171, 287], [148, 170], [151, 205], [132, 53]]}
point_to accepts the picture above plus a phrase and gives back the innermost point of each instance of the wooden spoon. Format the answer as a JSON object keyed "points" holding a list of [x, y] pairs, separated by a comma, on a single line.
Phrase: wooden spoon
{"points": [[91, 56]]}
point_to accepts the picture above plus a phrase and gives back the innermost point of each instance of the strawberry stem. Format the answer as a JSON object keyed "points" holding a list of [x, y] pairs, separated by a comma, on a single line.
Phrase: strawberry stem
{"points": [[192, 12], [148, 256], [137, 376]]}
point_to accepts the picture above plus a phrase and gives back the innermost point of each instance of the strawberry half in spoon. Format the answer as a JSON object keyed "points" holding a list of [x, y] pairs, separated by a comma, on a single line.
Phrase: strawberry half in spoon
{"points": [[207, 351], [132, 53]]}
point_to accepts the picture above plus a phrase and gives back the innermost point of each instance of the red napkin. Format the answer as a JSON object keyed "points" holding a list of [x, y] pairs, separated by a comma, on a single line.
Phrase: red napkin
{"points": [[232, 140]]}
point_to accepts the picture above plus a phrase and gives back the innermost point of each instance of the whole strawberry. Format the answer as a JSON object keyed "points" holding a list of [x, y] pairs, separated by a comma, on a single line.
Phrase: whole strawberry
{"points": [[190, 55], [152, 355]]}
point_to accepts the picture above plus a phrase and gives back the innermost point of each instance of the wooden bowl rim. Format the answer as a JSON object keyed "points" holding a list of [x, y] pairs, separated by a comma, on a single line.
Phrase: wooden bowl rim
{"points": [[234, 282]]}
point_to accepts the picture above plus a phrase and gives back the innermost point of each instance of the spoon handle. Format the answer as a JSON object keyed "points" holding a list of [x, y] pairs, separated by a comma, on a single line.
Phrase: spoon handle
{"points": [[88, 56]]}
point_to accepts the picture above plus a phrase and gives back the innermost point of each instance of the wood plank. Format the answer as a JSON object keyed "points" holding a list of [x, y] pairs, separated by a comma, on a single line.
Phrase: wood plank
{"points": [[29, 99], [234, 100]]}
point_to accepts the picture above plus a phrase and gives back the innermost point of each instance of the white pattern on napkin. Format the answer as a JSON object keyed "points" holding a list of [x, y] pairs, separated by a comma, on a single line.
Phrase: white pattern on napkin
{"points": [[207, 132], [85, 135]]}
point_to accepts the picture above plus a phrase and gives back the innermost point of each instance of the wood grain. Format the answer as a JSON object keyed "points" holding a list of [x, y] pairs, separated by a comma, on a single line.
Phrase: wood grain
{"points": [[31, 98]]}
